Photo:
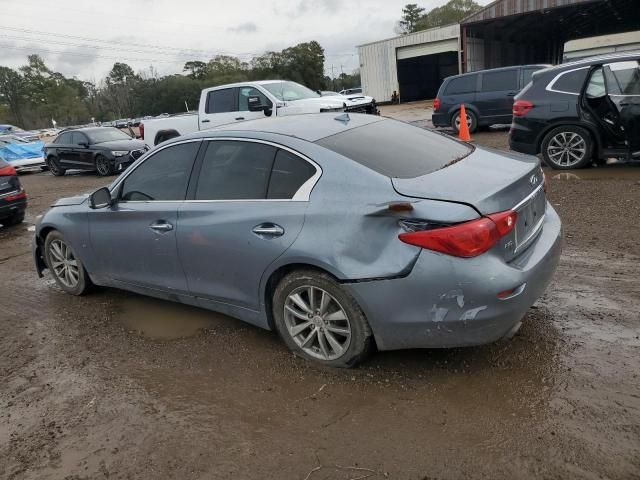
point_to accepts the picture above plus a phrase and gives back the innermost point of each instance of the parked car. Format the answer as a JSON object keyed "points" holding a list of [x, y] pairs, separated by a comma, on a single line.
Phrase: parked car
{"points": [[487, 96], [104, 149], [21, 154], [136, 122], [358, 103], [245, 101], [13, 198], [581, 112], [121, 123], [333, 230], [18, 132], [352, 91]]}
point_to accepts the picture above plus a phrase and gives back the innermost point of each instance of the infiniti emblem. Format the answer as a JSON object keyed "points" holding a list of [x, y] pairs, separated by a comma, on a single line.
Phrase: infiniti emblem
{"points": [[533, 180]]}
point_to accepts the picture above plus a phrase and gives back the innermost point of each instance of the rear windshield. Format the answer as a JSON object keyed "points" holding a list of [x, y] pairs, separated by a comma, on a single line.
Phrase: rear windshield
{"points": [[396, 149]]}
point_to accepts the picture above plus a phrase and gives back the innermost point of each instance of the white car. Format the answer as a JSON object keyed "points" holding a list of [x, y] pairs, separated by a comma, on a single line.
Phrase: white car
{"points": [[358, 103], [237, 102]]}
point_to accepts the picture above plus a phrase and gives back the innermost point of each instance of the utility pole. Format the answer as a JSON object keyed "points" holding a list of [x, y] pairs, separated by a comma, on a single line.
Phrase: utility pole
{"points": [[333, 78]]}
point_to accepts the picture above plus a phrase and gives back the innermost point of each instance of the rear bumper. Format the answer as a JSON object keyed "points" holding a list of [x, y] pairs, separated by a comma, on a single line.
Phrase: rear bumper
{"points": [[440, 119], [522, 139], [452, 302], [27, 163], [11, 208]]}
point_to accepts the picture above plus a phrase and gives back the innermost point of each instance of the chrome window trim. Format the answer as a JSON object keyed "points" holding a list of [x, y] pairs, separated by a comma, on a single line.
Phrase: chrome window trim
{"points": [[528, 197], [302, 195], [550, 88]]}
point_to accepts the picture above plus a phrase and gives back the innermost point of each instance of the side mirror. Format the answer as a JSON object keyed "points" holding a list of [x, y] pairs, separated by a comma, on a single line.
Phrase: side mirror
{"points": [[255, 104], [100, 198]]}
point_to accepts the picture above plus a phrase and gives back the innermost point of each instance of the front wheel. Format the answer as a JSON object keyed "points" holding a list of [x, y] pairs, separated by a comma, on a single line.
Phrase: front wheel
{"points": [[66, 268], [566, 148], [472, 121], [54, 167], [104, 166], [320, 321]]}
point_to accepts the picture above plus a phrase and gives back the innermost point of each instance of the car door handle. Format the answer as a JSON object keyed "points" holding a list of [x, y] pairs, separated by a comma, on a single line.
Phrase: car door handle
{"points": [[268, 230], [205, 121], [161, 226], [512, 94], [239, 118]]}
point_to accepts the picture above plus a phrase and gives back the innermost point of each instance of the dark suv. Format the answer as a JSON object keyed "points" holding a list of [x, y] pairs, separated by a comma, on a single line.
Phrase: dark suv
{"points": [[487, 96], [104, 149], [13, 198], [581, 112]]}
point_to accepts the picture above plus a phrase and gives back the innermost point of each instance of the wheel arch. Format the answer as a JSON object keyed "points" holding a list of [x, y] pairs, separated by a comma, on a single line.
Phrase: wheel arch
{"points": [[597, 144], [164, 135]]}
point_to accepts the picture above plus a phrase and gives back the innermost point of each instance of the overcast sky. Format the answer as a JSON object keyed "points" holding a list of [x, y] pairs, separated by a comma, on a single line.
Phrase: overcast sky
{"points": [[84, 38]]}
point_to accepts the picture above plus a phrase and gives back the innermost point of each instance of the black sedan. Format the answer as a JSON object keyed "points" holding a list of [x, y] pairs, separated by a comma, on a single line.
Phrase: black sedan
{"points": [[13, 198], [106, 150]]}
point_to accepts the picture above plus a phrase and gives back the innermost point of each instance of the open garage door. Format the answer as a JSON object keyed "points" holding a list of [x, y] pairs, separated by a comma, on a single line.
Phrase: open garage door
{"points": [[420, 77]]}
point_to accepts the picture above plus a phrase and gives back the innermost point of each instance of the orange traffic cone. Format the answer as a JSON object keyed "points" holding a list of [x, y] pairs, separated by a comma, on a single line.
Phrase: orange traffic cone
{"points": [[463, 133]]}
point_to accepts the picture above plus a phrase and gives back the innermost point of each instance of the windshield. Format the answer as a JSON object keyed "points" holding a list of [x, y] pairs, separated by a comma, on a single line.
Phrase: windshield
{"points": [[290, 91], [107, 135]]}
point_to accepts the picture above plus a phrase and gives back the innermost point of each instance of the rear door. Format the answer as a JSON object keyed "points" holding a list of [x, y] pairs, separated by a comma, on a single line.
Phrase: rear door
{"points": [[623, 89], [244, 213], [460, 90], [218, 107], [495, 96], [64, 149]]}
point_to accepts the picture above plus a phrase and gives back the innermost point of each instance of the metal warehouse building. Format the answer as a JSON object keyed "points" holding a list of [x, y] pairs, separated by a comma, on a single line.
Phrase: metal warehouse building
{"points": [[505, 32]]}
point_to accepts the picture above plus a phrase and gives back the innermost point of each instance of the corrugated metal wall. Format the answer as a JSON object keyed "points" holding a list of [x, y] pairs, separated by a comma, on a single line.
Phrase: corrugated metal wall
{"points": [[378, 68], [504, 8]]}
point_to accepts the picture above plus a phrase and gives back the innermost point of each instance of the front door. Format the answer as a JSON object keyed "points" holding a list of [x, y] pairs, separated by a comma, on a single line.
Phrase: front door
{"points": [[81, 154], [623, 89], [135, 239], [497, 91], [219, 108], [243, 216]]}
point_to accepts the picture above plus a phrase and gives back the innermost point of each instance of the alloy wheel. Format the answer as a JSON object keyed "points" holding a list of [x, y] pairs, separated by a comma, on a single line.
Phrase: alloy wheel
{"points": [[53, 166], [457, 121], [317, 323], [102, 165], [566, 149], [64, 264]]}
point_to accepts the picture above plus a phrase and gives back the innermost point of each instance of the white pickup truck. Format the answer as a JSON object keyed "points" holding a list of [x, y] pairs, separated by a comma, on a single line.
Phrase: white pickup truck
{"points": [[247, 101]]}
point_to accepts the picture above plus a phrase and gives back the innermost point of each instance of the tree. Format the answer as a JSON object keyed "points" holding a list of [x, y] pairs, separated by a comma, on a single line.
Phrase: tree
{"points": [[411, 13], [11, 86], [196, 69], [120, 73], [452, 12]]}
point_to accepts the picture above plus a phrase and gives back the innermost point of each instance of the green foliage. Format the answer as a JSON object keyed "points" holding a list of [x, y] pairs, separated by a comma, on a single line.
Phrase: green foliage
{"points": [[34, 95], [452, 12], [411, 14]]}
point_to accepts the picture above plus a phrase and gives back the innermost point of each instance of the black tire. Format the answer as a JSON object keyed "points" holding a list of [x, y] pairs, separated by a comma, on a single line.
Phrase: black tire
{"points": [[472, 121], [83, 283], [164, 135], [360, 340], [15, 219], [54, 167], [104, 166], [562, 156]]}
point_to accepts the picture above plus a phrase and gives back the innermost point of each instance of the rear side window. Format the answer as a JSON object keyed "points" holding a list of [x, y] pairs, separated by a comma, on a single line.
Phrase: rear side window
{"points": [[500, 81], [396, 149], [623, 78], [570, 82], [77, 138], [221, 101], [288, 175], [464, 84], [233, 170], [64, 138], [163, 176]]}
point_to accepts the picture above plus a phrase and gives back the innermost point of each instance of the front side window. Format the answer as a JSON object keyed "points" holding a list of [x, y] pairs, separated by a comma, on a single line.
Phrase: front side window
{"points": [[596, 87], [459, 85], [243, 98], [233, 170], [623, 78], [64, 139], [500, 81], [570, 82], [163, 176], [289, 173], [290, 91], [221, 101], [77, 138]]}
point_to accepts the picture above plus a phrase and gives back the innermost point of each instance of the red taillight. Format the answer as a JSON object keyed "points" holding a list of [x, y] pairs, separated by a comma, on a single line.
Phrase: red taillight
{"points": [[141, 127], [468, 239], [7, 171], [17, 196], [436, 104], [521, 108]]}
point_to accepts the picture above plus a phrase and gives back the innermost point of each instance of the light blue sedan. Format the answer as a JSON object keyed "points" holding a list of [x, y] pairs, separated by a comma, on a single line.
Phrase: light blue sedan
{"points": [[340, 232]]}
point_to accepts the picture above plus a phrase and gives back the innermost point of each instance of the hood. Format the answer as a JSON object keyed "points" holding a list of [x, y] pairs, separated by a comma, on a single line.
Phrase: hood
{"points": [[320, 102], [489, 180], [129, 145], [77, 200], [353, 99]]}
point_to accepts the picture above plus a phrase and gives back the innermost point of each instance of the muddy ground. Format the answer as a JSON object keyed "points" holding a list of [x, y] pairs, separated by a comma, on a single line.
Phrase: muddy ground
{"points": [[113, 385]]}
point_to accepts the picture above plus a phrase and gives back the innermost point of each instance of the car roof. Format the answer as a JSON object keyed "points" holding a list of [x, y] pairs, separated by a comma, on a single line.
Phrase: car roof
{"points": [[585, 62], [536, 65], [310, 127]]}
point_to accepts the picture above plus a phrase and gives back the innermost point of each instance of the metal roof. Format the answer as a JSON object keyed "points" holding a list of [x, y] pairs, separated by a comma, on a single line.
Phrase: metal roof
{"points": [[505, 8]]}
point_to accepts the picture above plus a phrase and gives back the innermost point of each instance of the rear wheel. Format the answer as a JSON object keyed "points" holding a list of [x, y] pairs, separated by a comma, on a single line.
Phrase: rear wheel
{"points": [[104, 166], [472, 121], [320, 321], [566, 148], [66, 268], [54, 167]]}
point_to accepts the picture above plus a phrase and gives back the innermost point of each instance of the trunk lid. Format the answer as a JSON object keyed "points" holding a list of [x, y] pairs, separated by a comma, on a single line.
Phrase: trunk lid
{"points": [[490, 181]]}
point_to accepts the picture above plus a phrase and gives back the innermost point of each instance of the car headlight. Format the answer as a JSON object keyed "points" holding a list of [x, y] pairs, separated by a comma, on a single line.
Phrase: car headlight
{"points": [[119, 153]]}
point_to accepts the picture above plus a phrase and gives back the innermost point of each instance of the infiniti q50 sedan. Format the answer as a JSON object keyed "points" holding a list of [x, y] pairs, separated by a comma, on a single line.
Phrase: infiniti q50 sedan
{"points": [[339, 232]]}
